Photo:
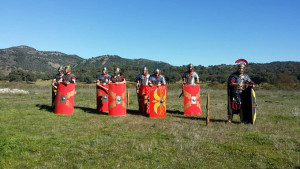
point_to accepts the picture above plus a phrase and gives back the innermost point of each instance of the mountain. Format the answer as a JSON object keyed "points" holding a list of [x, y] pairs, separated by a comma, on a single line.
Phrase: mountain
{"points": [[28, 58], [114, 60], [44, 64]]}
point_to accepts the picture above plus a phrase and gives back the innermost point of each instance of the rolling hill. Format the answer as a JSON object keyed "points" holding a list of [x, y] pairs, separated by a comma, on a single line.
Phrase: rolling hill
{"points": [[28, 58]]}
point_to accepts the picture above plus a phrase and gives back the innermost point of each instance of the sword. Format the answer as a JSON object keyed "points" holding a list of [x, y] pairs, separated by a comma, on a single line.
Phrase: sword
{"points": [[103, 87], [181, 94]]}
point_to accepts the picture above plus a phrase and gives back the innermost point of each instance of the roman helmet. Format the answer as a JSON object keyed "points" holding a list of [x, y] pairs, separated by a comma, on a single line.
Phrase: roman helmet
{"points": [[60, 69], [117, 71], [145, 70], [242, 63], [190, 67], [104, 70], [156, 71], [68, 69]]}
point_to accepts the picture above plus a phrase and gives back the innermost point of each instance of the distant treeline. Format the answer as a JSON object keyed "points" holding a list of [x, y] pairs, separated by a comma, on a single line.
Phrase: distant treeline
{"points": [[279, 74]]}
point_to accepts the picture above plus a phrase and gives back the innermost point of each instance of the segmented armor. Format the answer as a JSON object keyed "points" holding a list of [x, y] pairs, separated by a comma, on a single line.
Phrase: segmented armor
{"points": [[104, 78], [190, 77], [69, 78], [117, 78], [143, 79], [160, 79]]}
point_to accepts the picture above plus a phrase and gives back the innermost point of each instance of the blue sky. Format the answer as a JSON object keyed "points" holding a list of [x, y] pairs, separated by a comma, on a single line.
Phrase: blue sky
{"points": [[179, 32]]}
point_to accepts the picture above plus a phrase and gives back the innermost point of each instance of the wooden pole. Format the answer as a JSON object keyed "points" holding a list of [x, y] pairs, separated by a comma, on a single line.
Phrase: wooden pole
{"points": [[128, 98], [207, 109]]}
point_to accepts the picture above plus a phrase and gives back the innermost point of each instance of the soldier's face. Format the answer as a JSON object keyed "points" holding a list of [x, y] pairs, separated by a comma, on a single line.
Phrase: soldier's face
{"points": [[144, 71], [241, 70], [190, 68], [103, 71], [60, 71]]}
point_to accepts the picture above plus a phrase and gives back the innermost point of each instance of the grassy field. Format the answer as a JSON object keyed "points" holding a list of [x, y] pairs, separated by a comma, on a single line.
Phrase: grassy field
{"points": [[31, 136]]}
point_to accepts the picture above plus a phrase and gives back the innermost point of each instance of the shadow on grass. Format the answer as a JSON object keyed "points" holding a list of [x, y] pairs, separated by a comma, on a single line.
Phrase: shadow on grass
{"points": [[90, 110], [136, 112], [175, 112], [204, 119], [48, 108]]}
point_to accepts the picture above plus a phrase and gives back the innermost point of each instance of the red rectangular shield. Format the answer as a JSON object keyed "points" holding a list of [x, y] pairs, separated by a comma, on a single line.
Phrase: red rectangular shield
{"points": [[144, 105], [158, 101], [64, 101], [117, 99], [102, 98], [191, 100]]}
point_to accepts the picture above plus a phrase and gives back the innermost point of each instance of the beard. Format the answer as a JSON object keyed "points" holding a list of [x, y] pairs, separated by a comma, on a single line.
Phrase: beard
{"points": [[240, 72]]}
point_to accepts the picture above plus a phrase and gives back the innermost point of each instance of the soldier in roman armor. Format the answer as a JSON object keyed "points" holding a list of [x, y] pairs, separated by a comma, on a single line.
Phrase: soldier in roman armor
{"points": [[56, 79], [237, 83], [68, 76], [190, 77], [103, 78], [118, 77], [102, 90], [64, 102], [157, 78], [142, 89], [142, 79]]}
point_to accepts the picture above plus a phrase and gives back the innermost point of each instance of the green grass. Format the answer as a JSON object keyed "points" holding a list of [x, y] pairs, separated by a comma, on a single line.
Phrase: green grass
{"points": [[31, 136]]}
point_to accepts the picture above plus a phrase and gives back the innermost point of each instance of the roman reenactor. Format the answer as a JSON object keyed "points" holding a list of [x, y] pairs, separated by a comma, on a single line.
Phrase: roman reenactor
{"points": [[118, 77], [237, 83], [190, 77], [102, 90], [68, 76], [64, 102], [158, 95], [103, 79], [56, 79], [142, 89], [142, 79], [157, 79], [191, 92], [117, 94]]}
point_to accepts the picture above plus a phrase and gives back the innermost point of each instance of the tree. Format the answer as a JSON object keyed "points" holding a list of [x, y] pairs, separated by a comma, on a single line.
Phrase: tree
{"points": [[16, 75], [2, 76], [285, 81], [30, 77]]}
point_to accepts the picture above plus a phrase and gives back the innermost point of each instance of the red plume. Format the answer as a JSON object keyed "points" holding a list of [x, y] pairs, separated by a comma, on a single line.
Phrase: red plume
{"points": [[242, 60]]}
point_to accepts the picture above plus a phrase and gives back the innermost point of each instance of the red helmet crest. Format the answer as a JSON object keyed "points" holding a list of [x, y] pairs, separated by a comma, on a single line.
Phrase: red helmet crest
{"points": [[242, 60]]}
